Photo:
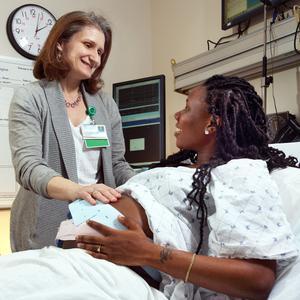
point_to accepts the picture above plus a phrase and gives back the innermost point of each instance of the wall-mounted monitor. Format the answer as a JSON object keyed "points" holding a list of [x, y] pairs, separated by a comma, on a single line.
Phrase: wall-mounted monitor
{"points": [[141, 104], [235, 12]]}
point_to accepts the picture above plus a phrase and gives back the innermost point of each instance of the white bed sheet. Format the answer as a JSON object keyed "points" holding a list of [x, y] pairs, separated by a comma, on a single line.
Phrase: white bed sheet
{"points": [[69, 275]]}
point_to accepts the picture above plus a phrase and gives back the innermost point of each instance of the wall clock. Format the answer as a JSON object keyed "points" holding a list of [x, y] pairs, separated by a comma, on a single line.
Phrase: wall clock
{"points": [[28, 27]]}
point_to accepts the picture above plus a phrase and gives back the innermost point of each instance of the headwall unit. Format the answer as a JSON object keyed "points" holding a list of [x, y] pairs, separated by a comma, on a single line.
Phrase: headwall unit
{"points": [[241, 57]]}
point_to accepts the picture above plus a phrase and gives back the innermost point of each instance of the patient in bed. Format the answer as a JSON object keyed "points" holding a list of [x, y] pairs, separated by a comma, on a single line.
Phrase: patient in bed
{"points": [[209, 218]]}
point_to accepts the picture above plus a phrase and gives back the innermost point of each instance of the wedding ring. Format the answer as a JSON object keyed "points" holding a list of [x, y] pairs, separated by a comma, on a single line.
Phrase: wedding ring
{"points": [[99, 249]]}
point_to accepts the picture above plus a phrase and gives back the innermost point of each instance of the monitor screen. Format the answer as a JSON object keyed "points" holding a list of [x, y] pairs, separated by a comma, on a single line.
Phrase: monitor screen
{"points": [[237, 11], [141, 104]]}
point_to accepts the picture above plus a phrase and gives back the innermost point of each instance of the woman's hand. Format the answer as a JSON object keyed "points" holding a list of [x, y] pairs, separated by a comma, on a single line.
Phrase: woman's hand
{"points": [[67, 190], [123, 247], [92, 193]]}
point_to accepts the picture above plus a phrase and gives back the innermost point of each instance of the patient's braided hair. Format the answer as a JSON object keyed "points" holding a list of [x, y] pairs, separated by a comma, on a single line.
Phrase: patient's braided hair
{"points": [[241, 134]]}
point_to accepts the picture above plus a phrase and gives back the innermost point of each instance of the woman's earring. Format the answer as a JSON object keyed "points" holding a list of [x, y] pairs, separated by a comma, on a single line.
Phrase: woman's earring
{"points": [[59, 57], [206, 132]]}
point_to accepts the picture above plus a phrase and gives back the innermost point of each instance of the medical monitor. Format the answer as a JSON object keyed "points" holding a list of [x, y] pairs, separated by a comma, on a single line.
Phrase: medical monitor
{"points": [[141, 104], [235, 12]]}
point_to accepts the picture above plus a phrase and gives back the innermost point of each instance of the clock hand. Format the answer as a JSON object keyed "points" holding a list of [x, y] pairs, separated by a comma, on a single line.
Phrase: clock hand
{"points": [[37, 30], [37, 25]]}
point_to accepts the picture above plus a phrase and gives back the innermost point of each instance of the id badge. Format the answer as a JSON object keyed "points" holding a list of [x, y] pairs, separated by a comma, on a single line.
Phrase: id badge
{"points": [[94, 136]]}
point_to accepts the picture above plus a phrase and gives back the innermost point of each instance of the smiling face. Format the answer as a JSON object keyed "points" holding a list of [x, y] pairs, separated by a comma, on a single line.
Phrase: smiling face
{"points": [[83, 52], [192, 122]]}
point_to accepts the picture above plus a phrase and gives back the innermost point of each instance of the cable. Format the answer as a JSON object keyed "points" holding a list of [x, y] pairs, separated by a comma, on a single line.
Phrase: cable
{"points": [[296, 11], [238, 34], [271, 33], [295, 39], [212, 42]]}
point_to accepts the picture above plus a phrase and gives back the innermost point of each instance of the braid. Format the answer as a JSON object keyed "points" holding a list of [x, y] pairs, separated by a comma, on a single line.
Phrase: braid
{"points": [[177, 159], [200, 180], [277, 159]]}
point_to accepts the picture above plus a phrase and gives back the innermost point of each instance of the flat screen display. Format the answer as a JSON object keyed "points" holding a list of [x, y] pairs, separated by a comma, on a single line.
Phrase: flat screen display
{"points": [[235, 12], [141, 104]]}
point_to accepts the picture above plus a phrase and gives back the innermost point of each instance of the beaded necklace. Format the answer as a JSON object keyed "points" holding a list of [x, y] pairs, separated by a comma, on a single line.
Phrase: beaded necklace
{"points": [[74, 103]]}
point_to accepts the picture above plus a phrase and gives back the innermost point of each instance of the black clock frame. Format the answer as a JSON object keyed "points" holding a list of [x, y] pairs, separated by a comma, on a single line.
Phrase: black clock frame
{"points": [[9, 30]]}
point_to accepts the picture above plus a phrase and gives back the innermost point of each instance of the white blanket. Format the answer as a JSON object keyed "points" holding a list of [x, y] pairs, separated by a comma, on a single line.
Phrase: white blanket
{"points": [[53, 273]]}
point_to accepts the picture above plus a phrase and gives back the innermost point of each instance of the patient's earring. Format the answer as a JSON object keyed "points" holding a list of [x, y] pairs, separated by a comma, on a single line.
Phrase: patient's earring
{"points": [[206, 132]]}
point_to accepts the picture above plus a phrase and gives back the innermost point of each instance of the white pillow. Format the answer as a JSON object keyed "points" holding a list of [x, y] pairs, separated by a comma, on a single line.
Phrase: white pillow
{"points": [[288, 181], [287, 285]]}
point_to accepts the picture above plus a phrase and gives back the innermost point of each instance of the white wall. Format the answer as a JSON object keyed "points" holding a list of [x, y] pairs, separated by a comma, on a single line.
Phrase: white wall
{"points": [[131, 55], [148, 34], [180, 30]]}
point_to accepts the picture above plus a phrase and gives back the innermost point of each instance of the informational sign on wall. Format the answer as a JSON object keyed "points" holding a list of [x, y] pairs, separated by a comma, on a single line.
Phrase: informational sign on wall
{"points": [[13, 73]]}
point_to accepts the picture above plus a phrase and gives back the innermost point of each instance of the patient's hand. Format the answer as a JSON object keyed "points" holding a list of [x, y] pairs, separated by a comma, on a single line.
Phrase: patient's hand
{"points": [[126, 206], [124, 247]]}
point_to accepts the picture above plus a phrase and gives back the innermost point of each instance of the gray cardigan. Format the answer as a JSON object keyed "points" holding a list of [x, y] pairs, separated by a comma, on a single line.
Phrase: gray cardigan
{"points": [[42, 147]]}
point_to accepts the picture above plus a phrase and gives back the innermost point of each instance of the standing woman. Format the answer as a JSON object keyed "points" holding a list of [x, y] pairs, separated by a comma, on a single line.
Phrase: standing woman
{"points": [[52, 163]]}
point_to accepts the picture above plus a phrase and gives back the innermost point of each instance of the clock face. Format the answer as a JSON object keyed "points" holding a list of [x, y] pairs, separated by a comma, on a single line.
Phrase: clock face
{"points": [[28, 27]]}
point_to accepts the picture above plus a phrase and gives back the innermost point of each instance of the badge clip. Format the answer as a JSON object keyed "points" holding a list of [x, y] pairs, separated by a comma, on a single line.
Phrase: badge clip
{"points": [[91, 111]]}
